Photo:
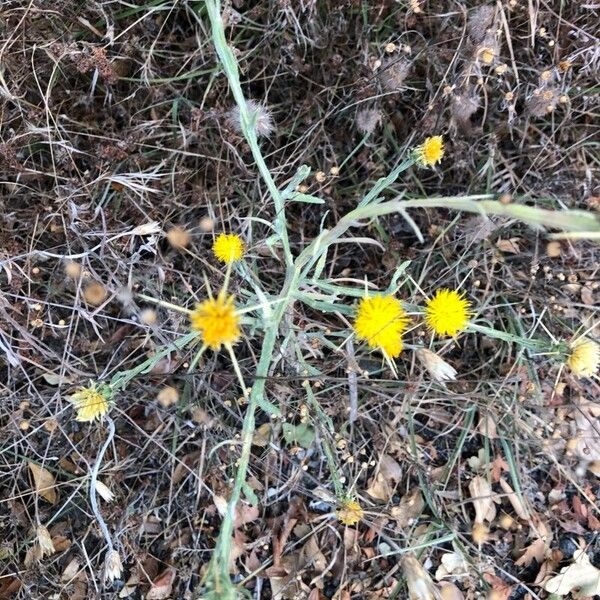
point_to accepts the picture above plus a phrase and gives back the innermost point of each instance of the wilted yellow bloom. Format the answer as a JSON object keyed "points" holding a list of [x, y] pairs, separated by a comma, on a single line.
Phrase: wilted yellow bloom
{"points": [[228, 247], [584, 357], [350, 512], [216, 321], [381, 321], [430, 152], [91, 403], [447, 312]]}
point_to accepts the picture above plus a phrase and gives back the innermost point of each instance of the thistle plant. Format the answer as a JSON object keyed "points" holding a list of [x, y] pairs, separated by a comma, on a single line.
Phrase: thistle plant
{"points": [[379, 320]]}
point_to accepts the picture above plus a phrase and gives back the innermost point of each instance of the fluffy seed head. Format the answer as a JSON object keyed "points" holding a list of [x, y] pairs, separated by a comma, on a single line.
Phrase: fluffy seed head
{"points": [[447, 312], [228, 247], [91, 403], [430, 152], [95, 293], [381, 321], [178, 237], [438, 368], [393, 73], [260, 114], [216, 321], [350, 512], [367, 120], [584, 358]]}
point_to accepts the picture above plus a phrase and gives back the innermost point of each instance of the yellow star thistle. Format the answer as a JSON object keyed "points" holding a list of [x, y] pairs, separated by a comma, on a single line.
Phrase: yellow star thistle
{"points": [[447, 312], [228, 247], [350, 512], [584, 358], [381, 321], [91, 403], [430, 152], [216, 321]]}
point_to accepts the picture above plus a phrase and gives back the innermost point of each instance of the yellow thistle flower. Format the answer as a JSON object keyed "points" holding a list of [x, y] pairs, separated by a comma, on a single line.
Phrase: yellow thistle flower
{"points": [[91, 403], [216, 321], [430, 152], [447, 312], [228, 247], [381, 321], [584, 358], [350, 512]]}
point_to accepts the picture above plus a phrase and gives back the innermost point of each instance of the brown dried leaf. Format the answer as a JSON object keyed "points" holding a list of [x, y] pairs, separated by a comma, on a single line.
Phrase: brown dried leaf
{"points": [[410, 508], [44, 482], [482, 497], [510, 246], [382, 485], [311, 555], [162, 586]]}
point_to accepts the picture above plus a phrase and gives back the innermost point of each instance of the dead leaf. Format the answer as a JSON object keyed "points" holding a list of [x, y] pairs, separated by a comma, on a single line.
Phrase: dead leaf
{"points": [[419, 582], [448, 591], [9, 586], [452, 564], [162, 586], [57, 378], [514, 499], [245, 513], [510, 246], [262, 435], [311, 555], [185, 467], [410, 508], [44, 482], [502, 590], [580, 577], [482, 498], [382, 485], [71, 571], [538, 549]]}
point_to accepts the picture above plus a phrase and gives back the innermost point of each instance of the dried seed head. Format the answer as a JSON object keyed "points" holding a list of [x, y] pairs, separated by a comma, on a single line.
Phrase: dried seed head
{"points": [[178, 237], [393, 73], [542, 101], [367, 120], [260, 116], [72, 269], [168, 396], [148, 317], [46, 547], [480, 534], [464, 106], [95, 293], [480, 21], [206, 224], [113, 567]]}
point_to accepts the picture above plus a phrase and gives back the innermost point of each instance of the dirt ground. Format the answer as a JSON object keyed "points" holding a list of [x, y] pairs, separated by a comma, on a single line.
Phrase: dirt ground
{"points": [[122, 158]]}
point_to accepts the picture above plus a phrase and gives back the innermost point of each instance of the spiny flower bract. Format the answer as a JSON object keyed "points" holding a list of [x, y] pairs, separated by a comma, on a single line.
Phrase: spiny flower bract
{"points": [[381, 321], [584, 358], [447, 313], [228, 247], [216, 321], [430, 152], [91, 403], [350, 512]]}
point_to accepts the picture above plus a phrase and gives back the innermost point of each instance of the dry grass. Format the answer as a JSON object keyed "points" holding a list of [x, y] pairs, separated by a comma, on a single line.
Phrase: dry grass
{"points": [[120, 160]]}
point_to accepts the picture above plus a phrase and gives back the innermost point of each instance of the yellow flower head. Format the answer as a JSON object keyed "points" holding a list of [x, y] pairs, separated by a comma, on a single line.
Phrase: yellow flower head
{"points": [[381, 321], [430, 152], [447, 312], [584, 358], [91, 403], [228, 247], [216, 321], [350, 512]]}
